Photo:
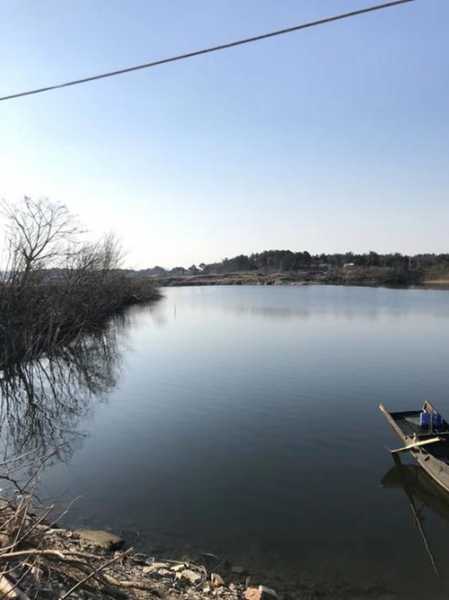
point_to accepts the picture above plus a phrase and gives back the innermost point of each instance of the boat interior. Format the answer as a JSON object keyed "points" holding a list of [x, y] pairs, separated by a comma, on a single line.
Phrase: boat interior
{"points": [[408, 421]]}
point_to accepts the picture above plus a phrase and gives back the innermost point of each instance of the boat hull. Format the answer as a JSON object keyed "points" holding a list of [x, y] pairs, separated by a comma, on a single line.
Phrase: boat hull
{"points": [[435, 468]]}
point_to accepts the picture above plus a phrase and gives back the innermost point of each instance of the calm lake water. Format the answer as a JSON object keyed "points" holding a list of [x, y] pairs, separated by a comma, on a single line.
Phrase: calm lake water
{"points": [[244, 421]]}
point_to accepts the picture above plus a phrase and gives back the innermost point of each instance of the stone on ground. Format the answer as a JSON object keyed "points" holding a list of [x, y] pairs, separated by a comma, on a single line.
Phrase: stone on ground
{"points": [[216, 580], [260, 593], [189, 575], [102, 539]]}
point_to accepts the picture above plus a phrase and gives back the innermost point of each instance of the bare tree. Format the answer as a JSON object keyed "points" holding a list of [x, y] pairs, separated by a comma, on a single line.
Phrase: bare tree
{"points": [[39, 234]]}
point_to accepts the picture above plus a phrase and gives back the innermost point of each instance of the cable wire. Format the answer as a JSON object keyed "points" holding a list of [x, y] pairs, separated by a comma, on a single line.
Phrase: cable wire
{"points": [[194, 53]]}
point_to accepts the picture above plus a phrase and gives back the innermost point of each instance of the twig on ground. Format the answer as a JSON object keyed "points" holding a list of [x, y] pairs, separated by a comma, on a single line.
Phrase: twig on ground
{"points": [[95, 572]]}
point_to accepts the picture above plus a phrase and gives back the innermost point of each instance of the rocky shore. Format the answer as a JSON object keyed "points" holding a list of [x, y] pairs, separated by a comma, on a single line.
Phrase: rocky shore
{"points": [[53, 563], [92, 564]]}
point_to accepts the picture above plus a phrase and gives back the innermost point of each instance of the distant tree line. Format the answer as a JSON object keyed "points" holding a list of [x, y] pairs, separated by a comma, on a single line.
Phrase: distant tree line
{"points": [[282, 261]]}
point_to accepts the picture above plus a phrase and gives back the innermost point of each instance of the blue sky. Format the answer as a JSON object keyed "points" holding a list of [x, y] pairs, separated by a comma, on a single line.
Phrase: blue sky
{"points": [[330, 139]]}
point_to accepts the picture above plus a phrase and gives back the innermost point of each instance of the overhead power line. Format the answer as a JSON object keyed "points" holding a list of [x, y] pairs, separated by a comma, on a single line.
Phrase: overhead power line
{"points": [[194, 53]]}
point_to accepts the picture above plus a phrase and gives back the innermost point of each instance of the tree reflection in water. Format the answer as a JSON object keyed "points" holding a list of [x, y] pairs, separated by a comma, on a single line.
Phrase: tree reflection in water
{"points": [[43, 400]]}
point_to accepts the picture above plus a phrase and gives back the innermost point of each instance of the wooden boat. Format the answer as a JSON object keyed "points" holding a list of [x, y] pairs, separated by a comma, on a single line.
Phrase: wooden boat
{"points": [[429, 445]]}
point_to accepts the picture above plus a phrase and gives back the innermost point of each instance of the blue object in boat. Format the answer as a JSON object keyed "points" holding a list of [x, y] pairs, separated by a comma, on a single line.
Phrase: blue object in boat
{"points": [[437, 420], [424, 419]]}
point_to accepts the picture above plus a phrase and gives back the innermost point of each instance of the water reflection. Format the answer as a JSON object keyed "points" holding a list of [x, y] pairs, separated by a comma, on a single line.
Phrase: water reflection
{"points": [[42, 402], [415, 480], [422, 493], [310, 301]]}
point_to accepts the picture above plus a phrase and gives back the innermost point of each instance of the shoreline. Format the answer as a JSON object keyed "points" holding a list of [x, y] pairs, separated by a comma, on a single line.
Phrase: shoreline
{"points": [[39, 558], [289, 280], [88, 564], [203, 576]]}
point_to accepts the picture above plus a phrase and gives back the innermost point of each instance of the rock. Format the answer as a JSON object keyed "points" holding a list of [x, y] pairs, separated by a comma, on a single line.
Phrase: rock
{"points": [[140, 559], [252, 593], [267, 593], [156, 566], [164, 573], [102, 539], [238, 570], [189, 575], [260, 593], [216, 580], [157, 571], [58, 531]]}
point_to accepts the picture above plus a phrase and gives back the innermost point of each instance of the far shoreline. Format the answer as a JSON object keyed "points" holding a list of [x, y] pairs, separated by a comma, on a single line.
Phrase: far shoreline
{"points": [[286, 279]]}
